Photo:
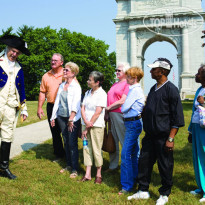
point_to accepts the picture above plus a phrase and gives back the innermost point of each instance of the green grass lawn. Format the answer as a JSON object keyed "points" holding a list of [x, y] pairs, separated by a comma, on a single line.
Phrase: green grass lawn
{"points": [[39, 180]]}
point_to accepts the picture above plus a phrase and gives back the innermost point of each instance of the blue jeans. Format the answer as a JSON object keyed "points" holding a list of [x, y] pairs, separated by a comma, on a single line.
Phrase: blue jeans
{"points": [[70, 142], [130, 154]]}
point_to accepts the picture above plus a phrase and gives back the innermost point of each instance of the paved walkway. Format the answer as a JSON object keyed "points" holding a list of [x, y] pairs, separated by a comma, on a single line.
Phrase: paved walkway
{"points": [[29, 136]]}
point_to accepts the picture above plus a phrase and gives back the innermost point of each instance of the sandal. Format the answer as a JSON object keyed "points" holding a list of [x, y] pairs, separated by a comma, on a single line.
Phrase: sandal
{"points": [[123, 191], [98, 180], [68, 168], [74, 174], [84, 179]]}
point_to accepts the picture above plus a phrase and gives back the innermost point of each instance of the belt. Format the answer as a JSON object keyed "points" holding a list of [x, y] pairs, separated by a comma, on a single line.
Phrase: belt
{"points": [[132, 118]]}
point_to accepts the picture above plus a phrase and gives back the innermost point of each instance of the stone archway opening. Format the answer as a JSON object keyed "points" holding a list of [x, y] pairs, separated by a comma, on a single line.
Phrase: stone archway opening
{"points": [[141, 23], [161, 49]]}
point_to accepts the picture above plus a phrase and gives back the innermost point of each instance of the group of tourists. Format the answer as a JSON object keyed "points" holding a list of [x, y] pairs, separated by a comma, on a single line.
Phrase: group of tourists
{"points": [[75, 114]]}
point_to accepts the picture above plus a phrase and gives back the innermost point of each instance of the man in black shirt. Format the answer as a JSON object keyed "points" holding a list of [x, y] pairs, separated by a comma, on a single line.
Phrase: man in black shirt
{"points": [[162, 117]]}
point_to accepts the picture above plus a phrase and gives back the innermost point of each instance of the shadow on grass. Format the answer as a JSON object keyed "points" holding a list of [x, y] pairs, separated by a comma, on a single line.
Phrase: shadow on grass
{"points": [[44, 151]]}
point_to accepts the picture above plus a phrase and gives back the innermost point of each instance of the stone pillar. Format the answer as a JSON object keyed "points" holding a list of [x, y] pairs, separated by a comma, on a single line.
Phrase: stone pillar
{"points": [[185, 51], [140, 63], [133, 45]]}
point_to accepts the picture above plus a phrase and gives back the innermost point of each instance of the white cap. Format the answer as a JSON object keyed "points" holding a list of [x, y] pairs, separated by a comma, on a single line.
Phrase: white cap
{"points": [[160, 64]]}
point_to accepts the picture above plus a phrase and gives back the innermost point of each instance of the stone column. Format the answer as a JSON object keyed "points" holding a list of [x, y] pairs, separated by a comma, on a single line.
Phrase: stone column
{"points": [[133, 48], [185, 51], [140, 63]]}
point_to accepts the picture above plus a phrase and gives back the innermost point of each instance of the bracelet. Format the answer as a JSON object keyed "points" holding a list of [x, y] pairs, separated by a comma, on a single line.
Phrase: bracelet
{"points": [[70, 120]]}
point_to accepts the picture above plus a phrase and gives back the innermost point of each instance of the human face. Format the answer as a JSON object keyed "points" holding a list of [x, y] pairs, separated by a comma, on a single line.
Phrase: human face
{"points": [[91, 83], [67, 73], [119, 73], [156, 73], [13, 54], [56, 62], [131, 80], [198, 76]]}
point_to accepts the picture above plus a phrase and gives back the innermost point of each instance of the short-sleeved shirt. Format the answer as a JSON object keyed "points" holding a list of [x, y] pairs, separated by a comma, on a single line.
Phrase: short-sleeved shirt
{"points": [[163, 110], [115, 93], [50, 84], [91, 102]]}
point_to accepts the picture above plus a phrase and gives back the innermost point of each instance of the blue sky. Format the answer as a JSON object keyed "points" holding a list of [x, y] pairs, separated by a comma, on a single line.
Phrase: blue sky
{"points": [[90, 17]]}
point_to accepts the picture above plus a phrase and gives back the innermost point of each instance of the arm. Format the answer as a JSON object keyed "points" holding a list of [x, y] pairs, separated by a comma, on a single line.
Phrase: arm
{"points": [[24, 113], [70, 121], [41, 100], [170, 145], [87, 123], [96, 114], [117, 104]]}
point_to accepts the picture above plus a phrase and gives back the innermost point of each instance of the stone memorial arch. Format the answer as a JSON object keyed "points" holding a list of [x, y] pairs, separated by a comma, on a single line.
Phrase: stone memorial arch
{"points": [[139, 23]]}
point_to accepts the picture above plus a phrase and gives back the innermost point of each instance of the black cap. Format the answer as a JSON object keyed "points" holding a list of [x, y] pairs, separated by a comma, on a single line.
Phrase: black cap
{"points": [[15, 42]]}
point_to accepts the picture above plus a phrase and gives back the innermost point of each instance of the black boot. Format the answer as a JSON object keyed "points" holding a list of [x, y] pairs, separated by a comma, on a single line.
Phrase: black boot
{"points": [[4, 161]]}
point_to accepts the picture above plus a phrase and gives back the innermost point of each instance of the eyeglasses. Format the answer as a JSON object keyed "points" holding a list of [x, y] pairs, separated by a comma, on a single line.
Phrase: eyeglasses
{"points": [[66, 70], [118, 71]]}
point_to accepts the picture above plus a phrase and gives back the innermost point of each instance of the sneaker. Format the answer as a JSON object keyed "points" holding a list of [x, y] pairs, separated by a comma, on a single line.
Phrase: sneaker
{"points": [[202, 200], [140, 195], [162, 200], [196, 192]]}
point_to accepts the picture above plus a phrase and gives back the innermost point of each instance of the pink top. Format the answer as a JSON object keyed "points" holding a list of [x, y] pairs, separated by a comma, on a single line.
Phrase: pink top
{"points": [[115, 93]]}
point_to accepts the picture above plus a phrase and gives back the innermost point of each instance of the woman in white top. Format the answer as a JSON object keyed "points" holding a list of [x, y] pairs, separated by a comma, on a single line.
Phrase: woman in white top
{"points": [[67, 110], [93, 111]]}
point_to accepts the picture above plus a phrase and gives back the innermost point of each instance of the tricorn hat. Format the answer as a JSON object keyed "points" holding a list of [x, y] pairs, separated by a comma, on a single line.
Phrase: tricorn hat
{"points": [[15, 42]]}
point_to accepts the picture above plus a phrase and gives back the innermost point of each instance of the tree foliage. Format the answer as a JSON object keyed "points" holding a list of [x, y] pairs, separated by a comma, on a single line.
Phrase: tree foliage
{"points": [[90, 54]]}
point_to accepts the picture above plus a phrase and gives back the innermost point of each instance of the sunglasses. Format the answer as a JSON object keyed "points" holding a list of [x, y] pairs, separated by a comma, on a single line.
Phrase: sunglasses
{"points": [[66, 70], [118, 71]]}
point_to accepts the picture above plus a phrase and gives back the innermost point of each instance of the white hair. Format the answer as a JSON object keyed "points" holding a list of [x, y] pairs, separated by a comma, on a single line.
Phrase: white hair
{"points": [[125, 66]]}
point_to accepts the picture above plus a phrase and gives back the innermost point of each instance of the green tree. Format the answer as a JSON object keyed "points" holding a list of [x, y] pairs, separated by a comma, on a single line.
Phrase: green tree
{"points": [[89, 53]]}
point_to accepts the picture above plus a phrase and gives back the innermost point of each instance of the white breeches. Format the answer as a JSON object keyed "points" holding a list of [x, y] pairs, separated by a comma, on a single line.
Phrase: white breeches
{"points": [[7, 123]]}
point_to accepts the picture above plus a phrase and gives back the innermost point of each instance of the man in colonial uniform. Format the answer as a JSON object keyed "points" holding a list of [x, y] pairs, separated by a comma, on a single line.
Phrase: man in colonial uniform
{"points": [[12, 96]]}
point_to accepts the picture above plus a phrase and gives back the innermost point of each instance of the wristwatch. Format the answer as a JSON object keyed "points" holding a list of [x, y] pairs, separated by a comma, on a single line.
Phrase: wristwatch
{"points": [[170, 139]]}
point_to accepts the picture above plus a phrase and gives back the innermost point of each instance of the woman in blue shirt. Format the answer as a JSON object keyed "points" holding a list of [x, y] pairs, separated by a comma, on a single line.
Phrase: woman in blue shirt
{"points": [[131, 110]]}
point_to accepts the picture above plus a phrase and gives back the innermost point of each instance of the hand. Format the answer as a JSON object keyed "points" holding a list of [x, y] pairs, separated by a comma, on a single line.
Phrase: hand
{"points": [[53, 123], [190, 138], [88, 124], [40, 113], [71, 126], [84, 134], [169, 146], [200, 99], [23, 117]]}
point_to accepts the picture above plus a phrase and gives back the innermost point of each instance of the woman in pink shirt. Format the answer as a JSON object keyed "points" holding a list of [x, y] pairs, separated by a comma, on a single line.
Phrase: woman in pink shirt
{"points": [[115, 99]]}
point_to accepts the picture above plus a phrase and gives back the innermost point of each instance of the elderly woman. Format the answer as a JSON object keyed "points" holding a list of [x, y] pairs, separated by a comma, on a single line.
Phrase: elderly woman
{"points": [[131, 110], [93, 110], [115, 99], [67, 110], [197, 136]]}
